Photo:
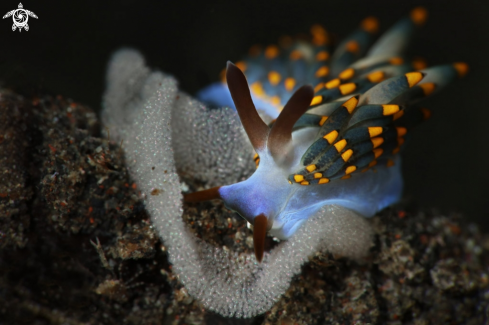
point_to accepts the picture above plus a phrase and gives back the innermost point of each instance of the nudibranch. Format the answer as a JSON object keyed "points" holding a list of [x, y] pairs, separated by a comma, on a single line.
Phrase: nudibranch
{"points": [[337, 144], [334, 144]]}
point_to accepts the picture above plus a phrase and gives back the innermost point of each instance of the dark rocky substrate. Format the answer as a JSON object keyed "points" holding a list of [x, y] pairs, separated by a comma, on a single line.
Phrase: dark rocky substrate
{"points": [[77, 247]]}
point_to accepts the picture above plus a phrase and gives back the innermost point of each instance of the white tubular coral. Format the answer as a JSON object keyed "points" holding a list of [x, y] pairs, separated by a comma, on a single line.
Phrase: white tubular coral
{"points": [[141, 108]]}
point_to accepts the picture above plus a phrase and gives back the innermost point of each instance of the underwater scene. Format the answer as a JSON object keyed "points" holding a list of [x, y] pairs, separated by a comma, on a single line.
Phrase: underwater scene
{"points": [[244, 163]]}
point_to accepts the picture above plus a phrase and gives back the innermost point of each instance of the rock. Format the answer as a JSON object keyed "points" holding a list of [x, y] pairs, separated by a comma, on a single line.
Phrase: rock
{"points": [[76, 246]]}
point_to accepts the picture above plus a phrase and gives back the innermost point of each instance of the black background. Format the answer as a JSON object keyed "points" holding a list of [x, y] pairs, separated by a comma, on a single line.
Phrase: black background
{"points": [[445, 163]]}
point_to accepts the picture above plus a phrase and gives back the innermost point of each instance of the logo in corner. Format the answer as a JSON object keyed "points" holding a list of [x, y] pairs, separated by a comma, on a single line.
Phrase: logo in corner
{"points": [[20, 17]]}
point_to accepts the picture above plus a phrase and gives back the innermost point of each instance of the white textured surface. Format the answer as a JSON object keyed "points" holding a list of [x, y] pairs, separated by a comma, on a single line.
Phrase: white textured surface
{"points": [[138, 109], [210, 145]]}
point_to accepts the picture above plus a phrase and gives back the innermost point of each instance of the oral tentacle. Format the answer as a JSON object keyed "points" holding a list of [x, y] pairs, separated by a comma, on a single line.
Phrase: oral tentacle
{"points": [[259, 234], [205, 195]]}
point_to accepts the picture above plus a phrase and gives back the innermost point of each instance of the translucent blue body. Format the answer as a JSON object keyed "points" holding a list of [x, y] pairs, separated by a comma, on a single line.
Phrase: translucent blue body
{"points": [[366, 179]]}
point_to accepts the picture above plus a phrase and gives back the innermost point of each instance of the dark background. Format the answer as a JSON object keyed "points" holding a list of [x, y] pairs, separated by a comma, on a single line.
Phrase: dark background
{"points": [[445, 164]]}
